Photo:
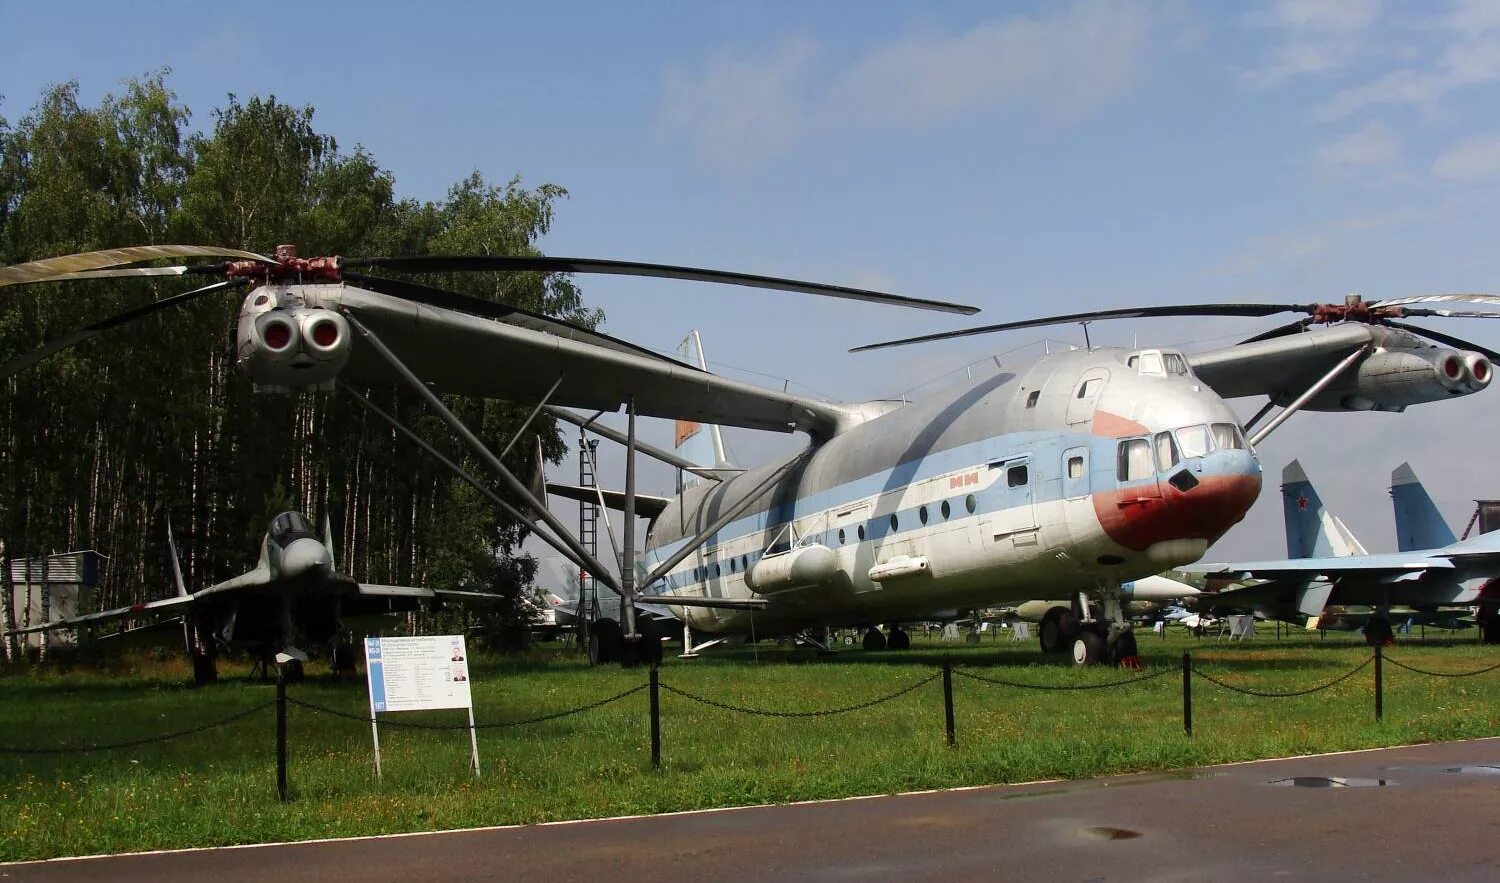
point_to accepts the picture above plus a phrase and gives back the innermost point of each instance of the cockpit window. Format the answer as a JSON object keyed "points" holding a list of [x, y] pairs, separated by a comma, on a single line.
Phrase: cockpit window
{"points": [[1194, 441], [289, 526], [1159, 363], [1151, 363], [1134, 460], [1227, 437], [1090, 387], [1175, 363], [1166, 452]]}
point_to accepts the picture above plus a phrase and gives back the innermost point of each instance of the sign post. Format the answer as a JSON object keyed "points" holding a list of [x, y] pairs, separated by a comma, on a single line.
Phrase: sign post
{"points": [[418, 674]]}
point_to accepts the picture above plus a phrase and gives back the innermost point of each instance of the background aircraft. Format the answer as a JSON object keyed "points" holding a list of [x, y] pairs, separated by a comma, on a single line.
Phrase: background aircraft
{"points": [[1330, 570], [1086, 470], [293, 598]]}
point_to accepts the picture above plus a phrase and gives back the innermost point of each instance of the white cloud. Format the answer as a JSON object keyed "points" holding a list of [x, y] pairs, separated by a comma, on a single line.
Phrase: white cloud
{"points": [[1476, 158], [1371, 146], [1062, 65], [1469, 62], [1317, 37]]}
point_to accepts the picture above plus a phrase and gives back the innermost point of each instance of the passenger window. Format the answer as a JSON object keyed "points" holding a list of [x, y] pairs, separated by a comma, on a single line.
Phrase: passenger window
{"points": [[1016, 476], [895, 523], [861, 533], [1075, 467], [970, 503], [1135, 460], [1193, 440], [1227, 437], [1166, 452], [946, 510], [841, 536], [1031, 399], [922, 514]]}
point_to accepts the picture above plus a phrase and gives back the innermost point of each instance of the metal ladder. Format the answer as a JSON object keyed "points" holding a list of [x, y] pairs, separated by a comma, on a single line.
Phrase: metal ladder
{"points": [[588, 535]]}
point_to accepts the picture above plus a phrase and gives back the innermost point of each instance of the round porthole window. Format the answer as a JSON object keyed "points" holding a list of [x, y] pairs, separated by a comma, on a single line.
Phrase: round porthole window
{"points": [[970, 503], [947, 510], [922, 514]]}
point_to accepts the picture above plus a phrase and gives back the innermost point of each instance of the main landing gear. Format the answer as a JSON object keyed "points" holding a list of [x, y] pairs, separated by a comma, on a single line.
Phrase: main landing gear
{"points": [[1091, 641], [898, 639]]}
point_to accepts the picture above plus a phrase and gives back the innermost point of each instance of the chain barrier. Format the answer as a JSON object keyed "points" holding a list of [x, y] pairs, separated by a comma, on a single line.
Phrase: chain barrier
{"points": [[1442, 674], [821, 713], [412, 725], [84, 749], [1275, 695], [998, 682]]}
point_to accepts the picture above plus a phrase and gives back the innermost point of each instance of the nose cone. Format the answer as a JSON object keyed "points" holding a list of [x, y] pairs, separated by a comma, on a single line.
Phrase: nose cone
{"points": [[1185, 504], [305, 557]]}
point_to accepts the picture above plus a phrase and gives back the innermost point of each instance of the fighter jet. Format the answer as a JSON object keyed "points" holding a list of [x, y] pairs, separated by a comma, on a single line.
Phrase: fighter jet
{"points": [[294, 598], [1330, 568]]}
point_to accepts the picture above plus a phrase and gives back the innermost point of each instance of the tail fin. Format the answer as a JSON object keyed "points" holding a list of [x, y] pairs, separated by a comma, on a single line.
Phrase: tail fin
{"points": [[328, 539], [704, 445], [1312, 531], [1419, 524], [176, 565]]}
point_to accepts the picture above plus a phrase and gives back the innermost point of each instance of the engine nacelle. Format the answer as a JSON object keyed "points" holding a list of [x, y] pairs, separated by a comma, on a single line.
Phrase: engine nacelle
{"points": [[286, 346], [1391, 379]]}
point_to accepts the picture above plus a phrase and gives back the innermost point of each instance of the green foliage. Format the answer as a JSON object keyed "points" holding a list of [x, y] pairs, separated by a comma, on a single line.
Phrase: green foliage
{"points": [[100, 444], [219, 787]]}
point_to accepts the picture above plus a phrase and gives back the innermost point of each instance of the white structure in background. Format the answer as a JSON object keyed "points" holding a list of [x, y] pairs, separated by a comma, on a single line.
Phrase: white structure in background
{"points": [[49, 588]]}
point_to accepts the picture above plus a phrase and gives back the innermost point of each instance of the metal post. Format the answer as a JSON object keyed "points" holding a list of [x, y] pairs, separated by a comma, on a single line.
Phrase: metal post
{"points": [[948, 699], [281, 737], [525, 424], [1187, 693], [655, 720], [1379, 685], [627, 566]]}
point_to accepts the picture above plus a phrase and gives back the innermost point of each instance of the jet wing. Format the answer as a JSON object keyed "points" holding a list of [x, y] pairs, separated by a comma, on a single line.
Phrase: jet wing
{"points": [[374, 590], [165, 607], [1287, 364], [1302, 569], [457, 352]]}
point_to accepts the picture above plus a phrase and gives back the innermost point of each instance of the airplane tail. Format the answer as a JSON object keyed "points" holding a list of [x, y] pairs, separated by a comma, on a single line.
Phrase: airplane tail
{"points": [[1311, 530], [1419, 524], [702, 444], [176, 564], [328, 540]]}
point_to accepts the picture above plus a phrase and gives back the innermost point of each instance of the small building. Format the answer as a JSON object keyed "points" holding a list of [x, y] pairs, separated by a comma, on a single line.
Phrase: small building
{"points": [[50, 588]]}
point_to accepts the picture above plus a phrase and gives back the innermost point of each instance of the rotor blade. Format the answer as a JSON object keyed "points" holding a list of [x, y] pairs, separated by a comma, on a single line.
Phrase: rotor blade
{"points": [[50, 268], [1449, 339], [512, 264], [58, 344], [117, 273], [1438, 298], [1281, 330], [1128, 313], [500, 312]]}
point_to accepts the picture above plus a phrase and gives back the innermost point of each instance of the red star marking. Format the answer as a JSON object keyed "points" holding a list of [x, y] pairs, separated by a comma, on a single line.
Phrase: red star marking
{"points": [[1302, 504]]}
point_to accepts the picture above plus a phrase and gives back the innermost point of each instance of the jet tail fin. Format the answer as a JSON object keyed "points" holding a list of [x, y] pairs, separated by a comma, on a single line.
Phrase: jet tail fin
{"points": [[1311, 530], [176, 564], [1419, 524], [704, 445], [328, 540]]}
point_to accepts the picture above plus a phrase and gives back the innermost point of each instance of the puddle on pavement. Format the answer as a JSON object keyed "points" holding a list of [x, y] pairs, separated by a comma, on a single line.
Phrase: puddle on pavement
{"points": [[1483, 769], [1329, 782], [1107, 833]]}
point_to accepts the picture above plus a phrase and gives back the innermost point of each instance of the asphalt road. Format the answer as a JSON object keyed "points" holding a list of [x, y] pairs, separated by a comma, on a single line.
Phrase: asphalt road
{"points": [[1424, 812]]}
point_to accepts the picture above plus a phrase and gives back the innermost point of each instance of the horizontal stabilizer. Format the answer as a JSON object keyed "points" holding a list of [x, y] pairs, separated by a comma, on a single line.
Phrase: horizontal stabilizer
{"points": [[646, 505]]}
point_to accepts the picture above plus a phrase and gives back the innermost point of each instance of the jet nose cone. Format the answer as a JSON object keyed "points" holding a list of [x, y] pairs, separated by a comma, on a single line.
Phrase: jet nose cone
{"points": [[306, 557]]}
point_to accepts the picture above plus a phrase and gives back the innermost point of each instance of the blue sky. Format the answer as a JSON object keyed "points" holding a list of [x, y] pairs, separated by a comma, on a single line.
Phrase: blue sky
{"points": [[1025, 157]]}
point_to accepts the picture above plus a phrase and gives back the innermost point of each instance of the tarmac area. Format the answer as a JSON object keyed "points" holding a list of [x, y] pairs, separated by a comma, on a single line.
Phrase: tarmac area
{"points": [[1418, 812]]}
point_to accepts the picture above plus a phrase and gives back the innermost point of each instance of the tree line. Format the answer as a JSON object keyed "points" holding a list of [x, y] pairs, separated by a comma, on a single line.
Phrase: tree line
{"points": [[102, 444]]}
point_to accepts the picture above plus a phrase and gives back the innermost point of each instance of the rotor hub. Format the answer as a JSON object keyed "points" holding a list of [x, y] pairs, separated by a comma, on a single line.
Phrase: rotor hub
{"points": [[288, 267]]}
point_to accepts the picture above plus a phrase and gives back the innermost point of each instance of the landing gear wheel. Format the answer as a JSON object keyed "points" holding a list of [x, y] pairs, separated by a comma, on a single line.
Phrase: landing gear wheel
{"points": [[1378, 631], [899, 640], [1122, 647], [644, 650], [1059, 628], [1088, 648], [343, 660], [874, 640], [606, 641], [205, 669]]}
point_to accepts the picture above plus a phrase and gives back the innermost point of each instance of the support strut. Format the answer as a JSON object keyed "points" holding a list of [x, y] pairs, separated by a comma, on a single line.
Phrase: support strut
{"points": [[515, 485], [479, 486], [1344, 365], [627, 565]]}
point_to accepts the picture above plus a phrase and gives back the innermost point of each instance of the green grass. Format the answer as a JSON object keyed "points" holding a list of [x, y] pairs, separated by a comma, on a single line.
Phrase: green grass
{"points": [[218, 787]]}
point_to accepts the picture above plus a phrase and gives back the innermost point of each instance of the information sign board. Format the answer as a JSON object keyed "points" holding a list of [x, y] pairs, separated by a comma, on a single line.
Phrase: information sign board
{"points": [[424, 673]]}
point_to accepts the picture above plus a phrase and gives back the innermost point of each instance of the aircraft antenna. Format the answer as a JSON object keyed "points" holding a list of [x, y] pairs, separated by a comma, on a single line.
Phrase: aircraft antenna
{"points": [[1088, 345]]}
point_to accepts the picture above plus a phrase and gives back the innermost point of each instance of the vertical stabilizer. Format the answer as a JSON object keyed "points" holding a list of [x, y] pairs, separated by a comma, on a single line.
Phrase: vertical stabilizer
{"points": [[1419, 524], [702, 444], [333, 558], [176, 565], [1311, 530]]}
